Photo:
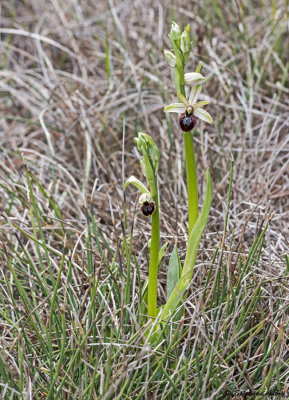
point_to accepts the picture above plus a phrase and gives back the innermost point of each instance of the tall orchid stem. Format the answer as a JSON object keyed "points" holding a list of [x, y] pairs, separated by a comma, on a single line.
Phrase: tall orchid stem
{"points": [[192, 183], [154, 255]]}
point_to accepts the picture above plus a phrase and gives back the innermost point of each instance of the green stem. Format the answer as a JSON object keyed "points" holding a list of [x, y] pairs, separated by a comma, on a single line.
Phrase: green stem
{"points": [[192, 183], [154, 255]]}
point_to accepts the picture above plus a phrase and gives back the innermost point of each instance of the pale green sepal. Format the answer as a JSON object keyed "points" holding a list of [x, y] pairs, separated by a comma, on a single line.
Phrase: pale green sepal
{"points": [[192, 250], [204, 115], [175, 108], [137, 183]]}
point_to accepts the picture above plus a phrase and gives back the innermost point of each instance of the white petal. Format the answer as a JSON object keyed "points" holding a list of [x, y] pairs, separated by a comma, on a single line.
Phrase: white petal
{"points": [[175, 107], [195, 93], [204, 115], [194, 78]]}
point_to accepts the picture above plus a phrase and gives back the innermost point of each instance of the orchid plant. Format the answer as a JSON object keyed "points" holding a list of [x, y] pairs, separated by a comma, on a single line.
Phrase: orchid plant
{"points": [[189, 108]]}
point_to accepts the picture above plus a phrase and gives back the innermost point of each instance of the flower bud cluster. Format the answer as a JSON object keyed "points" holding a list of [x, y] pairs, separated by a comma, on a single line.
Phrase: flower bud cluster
{"points": [[181, 43], [151, 155]]}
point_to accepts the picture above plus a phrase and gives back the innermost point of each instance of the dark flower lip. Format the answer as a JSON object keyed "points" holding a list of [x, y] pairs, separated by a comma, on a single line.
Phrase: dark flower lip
{"points": [[187, 122], [148, 209]]}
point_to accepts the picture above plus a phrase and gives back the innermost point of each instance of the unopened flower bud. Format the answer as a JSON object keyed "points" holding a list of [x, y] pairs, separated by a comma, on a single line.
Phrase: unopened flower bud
{"points": [[194, 79], [186, 41], [170, 58], [154, 154], [175, 29], [151, 154], [175, 34]]}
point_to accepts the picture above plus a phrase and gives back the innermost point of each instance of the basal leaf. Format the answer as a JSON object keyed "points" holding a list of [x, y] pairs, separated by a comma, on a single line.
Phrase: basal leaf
{"points": [[192, 250], [174, 270]]}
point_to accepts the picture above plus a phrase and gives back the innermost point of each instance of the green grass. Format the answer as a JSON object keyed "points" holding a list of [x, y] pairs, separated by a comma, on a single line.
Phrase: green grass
{"points": [[74, 257], [72, 333]]}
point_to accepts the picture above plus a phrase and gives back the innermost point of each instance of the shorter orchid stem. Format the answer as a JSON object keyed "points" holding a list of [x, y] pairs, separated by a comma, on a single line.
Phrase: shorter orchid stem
{"points": [[154, 256]]}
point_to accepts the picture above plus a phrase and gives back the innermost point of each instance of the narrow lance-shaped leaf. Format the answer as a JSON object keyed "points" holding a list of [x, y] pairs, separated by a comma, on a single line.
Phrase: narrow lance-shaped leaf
{"points": [[198, 70], [162, 252], [137, 183], [193, 246], [195, 236], [174, 271]]}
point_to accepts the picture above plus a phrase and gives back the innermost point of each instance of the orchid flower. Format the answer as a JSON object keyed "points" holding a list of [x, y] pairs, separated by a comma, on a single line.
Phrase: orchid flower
{"points": [[190, 109]]}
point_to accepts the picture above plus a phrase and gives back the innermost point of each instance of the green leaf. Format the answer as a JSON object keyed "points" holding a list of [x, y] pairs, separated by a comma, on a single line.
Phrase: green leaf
{"points": [[174, 271], [192, 250], [162, 252], [199, 67], [137, 183]]}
